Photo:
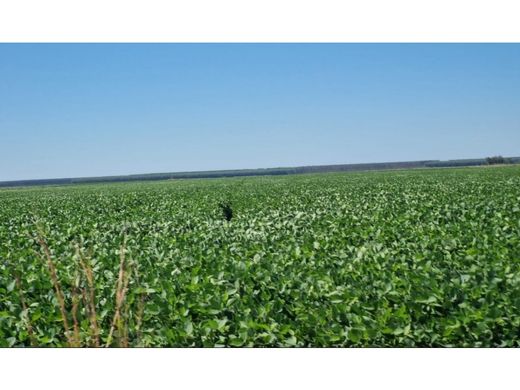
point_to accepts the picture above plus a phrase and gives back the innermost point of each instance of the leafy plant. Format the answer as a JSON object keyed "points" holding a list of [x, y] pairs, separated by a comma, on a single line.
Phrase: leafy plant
{"points": [[403, 258]]}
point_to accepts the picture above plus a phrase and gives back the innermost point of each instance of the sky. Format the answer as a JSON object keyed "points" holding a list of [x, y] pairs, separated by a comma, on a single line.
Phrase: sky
{"points": [[76, 110]]}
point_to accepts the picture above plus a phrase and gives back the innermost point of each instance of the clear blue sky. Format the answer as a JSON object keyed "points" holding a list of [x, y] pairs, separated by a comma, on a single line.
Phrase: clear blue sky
{"points": [[71, 110]]}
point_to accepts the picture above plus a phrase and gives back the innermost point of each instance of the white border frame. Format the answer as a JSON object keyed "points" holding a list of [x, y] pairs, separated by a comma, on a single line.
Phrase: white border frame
{"points": [[260, 368], [259, 21]]}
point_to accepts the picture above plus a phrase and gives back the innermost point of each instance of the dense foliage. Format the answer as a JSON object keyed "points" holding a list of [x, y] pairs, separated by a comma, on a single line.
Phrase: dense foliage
{"points": [[396, 258], [497, 160]]}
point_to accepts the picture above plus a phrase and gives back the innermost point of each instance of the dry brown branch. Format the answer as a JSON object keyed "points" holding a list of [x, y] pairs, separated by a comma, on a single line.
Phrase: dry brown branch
{"points": [[91, 306], [74, 311], [121, 289], [25, 309], [57, 287]]}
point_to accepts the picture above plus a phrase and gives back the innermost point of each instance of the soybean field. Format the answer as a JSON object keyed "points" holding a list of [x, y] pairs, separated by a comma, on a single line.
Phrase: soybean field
{"points": [[405, 258]]}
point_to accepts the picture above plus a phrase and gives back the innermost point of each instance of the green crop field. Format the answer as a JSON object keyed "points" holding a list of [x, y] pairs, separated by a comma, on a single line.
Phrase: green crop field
{"points": [[396, 258]]}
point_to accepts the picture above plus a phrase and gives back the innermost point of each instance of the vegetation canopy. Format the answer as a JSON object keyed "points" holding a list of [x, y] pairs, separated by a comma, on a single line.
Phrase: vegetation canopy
{"points": [[396, 258]]}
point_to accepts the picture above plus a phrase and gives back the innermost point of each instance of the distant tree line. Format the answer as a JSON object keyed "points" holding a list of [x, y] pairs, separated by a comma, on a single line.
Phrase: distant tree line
{"points": [[456, 163], [498, 160], [269, 171]]}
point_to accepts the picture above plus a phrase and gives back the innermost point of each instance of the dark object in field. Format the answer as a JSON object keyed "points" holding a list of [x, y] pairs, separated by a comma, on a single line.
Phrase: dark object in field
{"points": [[227, 211]]}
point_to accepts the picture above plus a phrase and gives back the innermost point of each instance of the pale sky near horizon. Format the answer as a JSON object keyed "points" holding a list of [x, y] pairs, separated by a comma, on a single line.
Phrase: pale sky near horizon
{"points": [[75, 110]]}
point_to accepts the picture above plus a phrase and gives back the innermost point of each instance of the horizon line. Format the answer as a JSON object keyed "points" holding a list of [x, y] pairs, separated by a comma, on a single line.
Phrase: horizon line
{"points": [[89, 179]]}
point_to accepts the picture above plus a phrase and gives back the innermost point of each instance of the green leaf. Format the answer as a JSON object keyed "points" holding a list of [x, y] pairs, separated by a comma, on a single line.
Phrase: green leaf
{"points": [[291, 341], [10, 286], [236, 342], [188, 328]]}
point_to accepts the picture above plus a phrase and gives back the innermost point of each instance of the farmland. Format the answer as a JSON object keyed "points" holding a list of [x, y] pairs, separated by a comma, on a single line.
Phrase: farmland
{"points": [[398, 258]]}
